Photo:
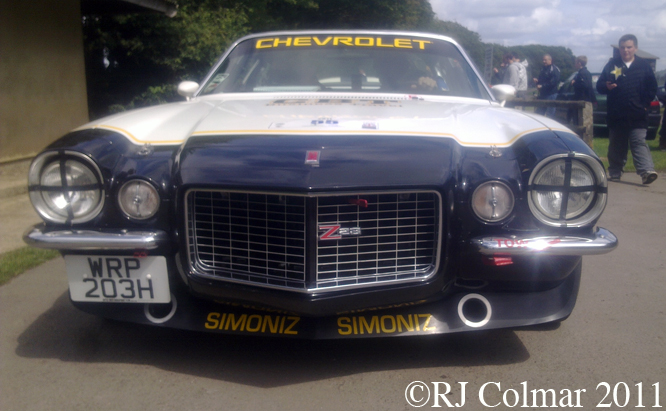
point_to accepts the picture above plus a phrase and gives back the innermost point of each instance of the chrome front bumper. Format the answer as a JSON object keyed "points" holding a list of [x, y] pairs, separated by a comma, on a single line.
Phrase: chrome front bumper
{"points": [[601, 242], [38, 236]]}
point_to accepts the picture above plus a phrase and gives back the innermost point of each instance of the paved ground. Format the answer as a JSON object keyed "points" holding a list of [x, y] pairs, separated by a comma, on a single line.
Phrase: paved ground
{"points": [[53, 357], [16, 212]]}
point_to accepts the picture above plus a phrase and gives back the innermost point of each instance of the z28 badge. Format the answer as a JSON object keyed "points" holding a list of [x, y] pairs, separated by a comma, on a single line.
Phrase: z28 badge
{"points": [[336, 232]]}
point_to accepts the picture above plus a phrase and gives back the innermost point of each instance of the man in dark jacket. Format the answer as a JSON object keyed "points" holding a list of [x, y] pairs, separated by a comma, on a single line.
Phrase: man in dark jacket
{"points": [[582, 82], [582, 86], [498, 73], [630, 85], [547, 84]]}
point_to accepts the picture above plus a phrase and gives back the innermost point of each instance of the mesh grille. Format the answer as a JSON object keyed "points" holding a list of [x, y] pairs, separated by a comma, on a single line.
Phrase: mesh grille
{"points": [[355, 239], [392, 237], [256, 238]]}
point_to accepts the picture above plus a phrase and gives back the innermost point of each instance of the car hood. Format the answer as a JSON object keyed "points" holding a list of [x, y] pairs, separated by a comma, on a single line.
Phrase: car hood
{"points": [[470, 122]]}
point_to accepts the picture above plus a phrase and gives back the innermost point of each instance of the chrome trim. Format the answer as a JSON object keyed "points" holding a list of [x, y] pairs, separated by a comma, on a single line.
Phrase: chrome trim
{"points": [[493, 191], [601, 197], [40, 237], [437, 252], [360, 280], [194, 265], [35, 176], [601, 242], [150, 187]]}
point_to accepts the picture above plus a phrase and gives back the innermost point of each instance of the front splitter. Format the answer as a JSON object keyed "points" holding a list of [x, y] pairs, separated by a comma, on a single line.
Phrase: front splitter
{"points": [[458, 312]]}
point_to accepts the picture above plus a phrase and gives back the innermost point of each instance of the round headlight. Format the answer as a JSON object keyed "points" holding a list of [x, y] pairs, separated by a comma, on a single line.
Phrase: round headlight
{"points": [[567, 190], [138, 199], [66, 189], [492, 201]]}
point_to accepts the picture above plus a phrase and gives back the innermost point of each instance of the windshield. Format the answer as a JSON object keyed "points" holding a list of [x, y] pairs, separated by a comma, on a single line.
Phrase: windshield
{"points": [[346, 63]]}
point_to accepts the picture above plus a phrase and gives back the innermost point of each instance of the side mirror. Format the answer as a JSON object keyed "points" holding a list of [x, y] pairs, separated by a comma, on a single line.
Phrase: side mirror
{"points": [[188, 88], [504, 92]]}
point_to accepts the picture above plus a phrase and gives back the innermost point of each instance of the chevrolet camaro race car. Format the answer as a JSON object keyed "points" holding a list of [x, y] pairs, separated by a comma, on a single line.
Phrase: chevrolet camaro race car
{"points": [[328, 184]]}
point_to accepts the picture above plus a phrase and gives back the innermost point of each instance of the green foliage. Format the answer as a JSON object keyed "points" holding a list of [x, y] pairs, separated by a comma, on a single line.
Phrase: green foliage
{"points": [[149, 54], [15, 262], [468, 39], [265, 15], [658, 157], [368, 14], [154, 95]]}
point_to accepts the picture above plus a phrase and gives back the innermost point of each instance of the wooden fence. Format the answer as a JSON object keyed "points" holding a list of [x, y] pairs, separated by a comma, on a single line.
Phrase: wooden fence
{"points": [[576, 115]]}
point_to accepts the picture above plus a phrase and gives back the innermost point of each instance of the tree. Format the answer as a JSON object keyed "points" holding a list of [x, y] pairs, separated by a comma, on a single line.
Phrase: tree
{"points": [[136, 60], [468, 39], [369, 14]]}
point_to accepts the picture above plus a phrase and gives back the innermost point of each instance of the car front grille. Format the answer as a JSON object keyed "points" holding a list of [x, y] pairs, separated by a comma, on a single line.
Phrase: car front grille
{"points": [[316, 242]]}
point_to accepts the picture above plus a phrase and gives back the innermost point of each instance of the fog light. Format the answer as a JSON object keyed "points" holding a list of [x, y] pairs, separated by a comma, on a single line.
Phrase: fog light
{"points": [[138, 199], [492, 201]]}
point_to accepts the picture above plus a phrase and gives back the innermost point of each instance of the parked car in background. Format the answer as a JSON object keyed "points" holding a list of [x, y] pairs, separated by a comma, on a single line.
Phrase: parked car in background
{"points": [[661, 95], [566, 92], [325, 184]]}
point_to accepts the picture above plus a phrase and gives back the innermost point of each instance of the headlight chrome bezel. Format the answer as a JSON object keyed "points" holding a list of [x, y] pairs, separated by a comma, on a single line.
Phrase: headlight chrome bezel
{"points": [[150, 190], [491, 191], [38, 191], [592, 209]]}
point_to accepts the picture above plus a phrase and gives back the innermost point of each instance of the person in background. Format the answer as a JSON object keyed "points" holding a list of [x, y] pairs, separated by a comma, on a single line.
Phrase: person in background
{"points": [[582, 86], [516, 75], [498, 72], [582, 82], [547, 83], [630, 84], [662, 132]]}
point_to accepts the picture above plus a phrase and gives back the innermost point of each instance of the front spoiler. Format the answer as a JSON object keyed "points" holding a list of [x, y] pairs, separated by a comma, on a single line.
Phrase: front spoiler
{"points": [[507, 310]]}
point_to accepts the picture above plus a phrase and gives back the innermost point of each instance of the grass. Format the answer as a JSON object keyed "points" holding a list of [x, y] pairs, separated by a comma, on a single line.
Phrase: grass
{"points": [[659, 157], [15, 262]]}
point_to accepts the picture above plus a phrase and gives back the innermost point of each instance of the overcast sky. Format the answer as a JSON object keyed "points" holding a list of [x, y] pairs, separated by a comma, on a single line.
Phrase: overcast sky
{"points": [[587, 27]]}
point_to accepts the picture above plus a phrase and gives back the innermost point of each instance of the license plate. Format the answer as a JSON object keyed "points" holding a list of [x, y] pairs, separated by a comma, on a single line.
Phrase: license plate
{"points": [[118, 279]]}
